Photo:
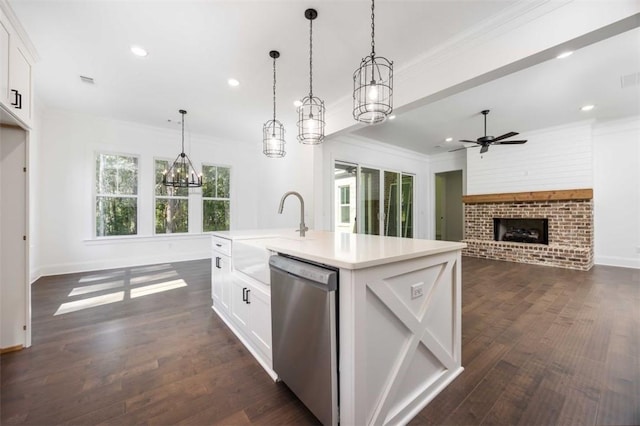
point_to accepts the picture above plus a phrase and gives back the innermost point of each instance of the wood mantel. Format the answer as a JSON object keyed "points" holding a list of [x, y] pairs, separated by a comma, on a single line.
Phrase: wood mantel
{"points": [[509, 197]]}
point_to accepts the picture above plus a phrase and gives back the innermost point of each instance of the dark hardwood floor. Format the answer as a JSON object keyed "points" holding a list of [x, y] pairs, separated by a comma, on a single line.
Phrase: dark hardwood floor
{"points": [[141, 345]]}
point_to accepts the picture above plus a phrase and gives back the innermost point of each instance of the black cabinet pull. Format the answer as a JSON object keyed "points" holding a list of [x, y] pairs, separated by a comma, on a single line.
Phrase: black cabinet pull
{"points": [[18, 102], [248, 302], [217, 262], [244, 294], [218, 245]]}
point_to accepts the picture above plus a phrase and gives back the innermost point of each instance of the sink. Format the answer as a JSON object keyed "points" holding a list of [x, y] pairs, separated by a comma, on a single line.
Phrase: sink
{"points": [[251, 257]]}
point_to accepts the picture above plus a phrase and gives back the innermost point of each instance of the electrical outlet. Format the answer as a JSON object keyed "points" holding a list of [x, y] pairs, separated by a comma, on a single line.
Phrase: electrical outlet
{"points": [[417, 290]]}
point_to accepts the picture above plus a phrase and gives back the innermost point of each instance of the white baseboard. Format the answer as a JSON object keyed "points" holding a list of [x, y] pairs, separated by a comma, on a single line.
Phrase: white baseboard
{"points": [[623, 262], [35, 275], [100, 264]]}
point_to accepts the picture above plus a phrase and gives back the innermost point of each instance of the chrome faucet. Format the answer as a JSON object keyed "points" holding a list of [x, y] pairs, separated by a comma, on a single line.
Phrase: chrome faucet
{"points": [[303, 227]]}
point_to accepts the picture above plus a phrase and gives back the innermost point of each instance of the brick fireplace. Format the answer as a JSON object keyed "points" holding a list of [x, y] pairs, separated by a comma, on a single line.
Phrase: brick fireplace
{"points": [[569, 218]]}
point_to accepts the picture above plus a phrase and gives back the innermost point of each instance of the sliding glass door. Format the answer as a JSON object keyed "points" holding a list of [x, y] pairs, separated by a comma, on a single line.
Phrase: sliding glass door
{"points": [[372, 201]]}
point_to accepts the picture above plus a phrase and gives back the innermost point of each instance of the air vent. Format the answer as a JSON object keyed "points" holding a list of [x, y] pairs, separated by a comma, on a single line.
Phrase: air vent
{"points": [[630, 80], [86, 79]]}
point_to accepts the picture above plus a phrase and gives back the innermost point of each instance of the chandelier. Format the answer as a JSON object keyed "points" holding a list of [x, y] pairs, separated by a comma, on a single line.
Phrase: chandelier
{"points": [[182, 174], [311, 112], [273, 130], [373, 84]]}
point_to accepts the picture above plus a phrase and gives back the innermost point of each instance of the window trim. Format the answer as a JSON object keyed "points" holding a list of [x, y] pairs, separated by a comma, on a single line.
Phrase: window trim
{"points": [[95, 193]]}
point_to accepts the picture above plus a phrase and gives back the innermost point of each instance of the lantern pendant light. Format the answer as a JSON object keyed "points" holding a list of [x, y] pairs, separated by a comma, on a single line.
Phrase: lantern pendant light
{"points": [[373, 84], [182, 174], [311, 112], [273, 131]]}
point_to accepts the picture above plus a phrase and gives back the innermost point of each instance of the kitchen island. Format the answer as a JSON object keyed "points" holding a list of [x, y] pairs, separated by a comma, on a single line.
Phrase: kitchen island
{"points": [[399, 312]]}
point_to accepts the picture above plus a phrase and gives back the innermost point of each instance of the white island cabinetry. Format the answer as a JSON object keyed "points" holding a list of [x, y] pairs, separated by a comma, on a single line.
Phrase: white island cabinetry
{"points": [[399, 317], [242, 302]]}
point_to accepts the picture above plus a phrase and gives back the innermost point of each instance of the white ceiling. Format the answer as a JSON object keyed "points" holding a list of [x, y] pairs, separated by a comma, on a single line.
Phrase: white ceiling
{"points": [[195, 46], [544, 95]]}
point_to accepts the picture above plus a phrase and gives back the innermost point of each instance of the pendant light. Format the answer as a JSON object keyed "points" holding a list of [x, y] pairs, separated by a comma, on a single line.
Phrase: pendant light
{"points": [[273, 131], [373, 84], [311, 112], [182, 174]]}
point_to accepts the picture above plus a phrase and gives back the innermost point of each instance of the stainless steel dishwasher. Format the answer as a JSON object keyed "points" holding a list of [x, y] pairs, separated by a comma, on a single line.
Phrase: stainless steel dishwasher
{"points": [[304, 333]]}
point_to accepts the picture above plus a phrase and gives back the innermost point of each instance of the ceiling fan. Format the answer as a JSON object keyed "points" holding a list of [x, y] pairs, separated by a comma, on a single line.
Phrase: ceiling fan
{"points": [[485, 141]]}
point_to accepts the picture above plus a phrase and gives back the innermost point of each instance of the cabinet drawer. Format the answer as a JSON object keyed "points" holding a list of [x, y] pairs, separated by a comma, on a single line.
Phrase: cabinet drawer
{"points": [[222, 245]]}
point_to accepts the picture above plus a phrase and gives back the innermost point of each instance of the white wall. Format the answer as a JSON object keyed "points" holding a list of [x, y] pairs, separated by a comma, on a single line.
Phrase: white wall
{"points": [[617, 193], [554, 158], [365, 152], [67, 146]]}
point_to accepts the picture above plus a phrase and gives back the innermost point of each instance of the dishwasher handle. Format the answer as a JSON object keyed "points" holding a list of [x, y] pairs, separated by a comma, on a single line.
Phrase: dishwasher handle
{"points": [[323, 278]]}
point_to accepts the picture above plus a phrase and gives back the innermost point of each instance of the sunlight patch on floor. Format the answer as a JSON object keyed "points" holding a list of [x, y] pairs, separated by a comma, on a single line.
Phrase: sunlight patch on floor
{"points": [[157, 288], [91, 302], [153, 277], [96, 287], [100, 277]]}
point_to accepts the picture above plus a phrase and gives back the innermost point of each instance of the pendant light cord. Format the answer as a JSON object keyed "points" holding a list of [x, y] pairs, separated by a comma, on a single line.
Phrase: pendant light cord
{"points": [[311, 58], [182, 133], [373, 30], [274, 91]]}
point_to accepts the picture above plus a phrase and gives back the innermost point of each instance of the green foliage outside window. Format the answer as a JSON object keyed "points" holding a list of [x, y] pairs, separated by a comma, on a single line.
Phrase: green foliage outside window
{"points": [[215, 198], [172, 204], [116, 195]]}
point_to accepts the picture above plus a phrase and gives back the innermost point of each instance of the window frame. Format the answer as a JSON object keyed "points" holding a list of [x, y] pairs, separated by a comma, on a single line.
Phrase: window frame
{"points": [[94, 179], [167, 197], [205, 198], [343, 205]]}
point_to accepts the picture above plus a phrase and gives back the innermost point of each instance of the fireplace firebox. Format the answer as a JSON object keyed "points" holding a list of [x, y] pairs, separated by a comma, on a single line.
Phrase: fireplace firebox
{"points": [[521, 230]]}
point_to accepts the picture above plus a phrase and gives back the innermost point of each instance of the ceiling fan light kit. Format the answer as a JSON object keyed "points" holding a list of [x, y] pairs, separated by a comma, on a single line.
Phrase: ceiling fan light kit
{"points": [[311, 113], [485, 141], [373, 84], [273, 130], [182, 174]]}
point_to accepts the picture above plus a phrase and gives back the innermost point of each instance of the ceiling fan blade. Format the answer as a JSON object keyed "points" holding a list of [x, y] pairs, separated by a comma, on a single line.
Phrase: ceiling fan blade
{"points": [[509, 142], [506, 135], [467, 141], [484, 149]]}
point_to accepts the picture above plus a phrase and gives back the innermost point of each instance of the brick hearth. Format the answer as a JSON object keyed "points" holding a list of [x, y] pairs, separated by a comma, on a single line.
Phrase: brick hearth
{"points": [[570, 215]]}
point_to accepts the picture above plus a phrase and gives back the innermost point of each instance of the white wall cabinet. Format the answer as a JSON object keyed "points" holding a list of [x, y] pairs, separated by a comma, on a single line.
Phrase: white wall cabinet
{"points": [[16, 63], [242, 302]]}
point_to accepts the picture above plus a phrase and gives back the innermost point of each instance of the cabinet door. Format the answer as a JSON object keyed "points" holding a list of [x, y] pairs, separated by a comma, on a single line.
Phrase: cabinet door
{"points": [[260, 321], [221, 274], [19, 80], [4, 63], [240, 291]]}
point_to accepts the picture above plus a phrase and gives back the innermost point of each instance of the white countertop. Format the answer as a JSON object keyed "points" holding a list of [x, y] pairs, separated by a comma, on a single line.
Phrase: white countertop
{"points": [[349, 251]]}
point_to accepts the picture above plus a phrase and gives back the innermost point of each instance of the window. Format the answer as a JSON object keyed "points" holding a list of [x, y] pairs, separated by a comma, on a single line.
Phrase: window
{"points": [[345, 204], [172, 204], [215, 198], [116, 195]]}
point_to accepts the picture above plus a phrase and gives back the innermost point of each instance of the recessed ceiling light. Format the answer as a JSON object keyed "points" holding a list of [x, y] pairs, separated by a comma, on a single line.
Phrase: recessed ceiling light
{"points": [[565, 54], [297, 103], [587, 108], [448, 140], [392, 117], [138, 51], [233, 82]]}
